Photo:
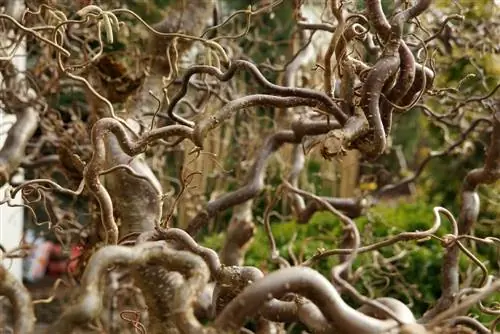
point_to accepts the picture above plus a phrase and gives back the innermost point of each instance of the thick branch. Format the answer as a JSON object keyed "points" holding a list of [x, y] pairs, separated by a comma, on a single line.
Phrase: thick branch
{"points": [[89, 304], [211, 122], [20, 298], [109, 126], [13, 150], [305, 282]]}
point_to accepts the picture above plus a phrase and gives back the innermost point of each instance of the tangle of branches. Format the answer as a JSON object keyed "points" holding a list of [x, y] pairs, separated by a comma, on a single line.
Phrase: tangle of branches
{"points": [[137, 147]]}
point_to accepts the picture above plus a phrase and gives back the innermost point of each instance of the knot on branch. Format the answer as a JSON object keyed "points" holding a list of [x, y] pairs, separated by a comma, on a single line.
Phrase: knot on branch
{"points": [[334, 144], [449, 240]]}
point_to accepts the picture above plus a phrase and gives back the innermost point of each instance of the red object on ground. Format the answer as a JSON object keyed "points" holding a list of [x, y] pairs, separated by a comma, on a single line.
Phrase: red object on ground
{"points": [[61, 267]]}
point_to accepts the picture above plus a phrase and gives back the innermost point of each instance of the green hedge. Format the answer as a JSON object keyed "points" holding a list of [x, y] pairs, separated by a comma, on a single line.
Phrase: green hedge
{"points": [[414, 279]]}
